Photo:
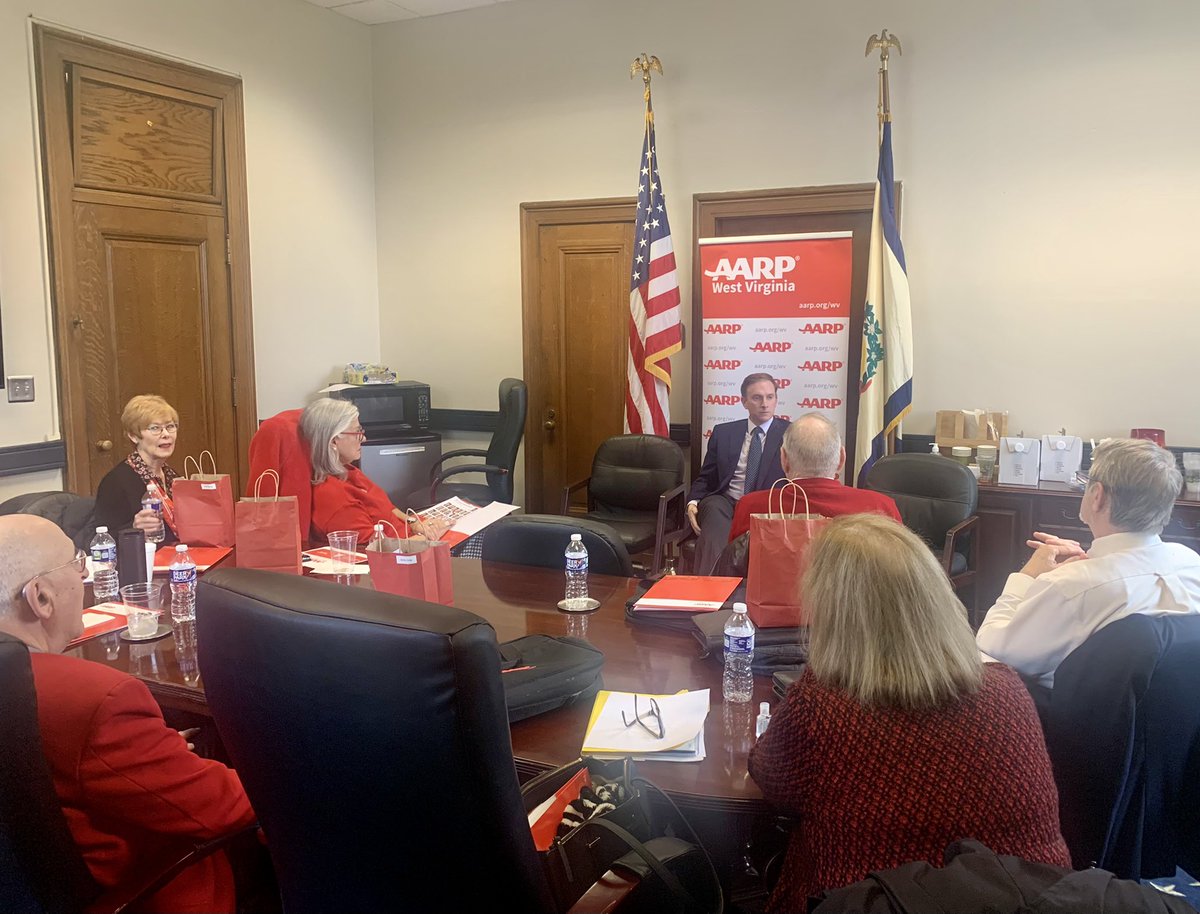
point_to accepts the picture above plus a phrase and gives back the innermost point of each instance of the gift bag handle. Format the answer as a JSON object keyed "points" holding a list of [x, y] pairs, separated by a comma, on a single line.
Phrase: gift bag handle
{"points": [[384, 520], [199, 464], [789, 484], [258, 483]]}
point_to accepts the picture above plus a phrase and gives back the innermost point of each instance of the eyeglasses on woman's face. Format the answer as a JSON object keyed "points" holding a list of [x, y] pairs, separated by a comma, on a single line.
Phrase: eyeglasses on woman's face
{"points": [[171, 428], [354, 433]]}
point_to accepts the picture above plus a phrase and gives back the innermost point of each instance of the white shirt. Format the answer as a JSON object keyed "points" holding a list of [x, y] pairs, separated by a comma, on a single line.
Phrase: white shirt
{"points": [[737, 484], [1037, 622]]}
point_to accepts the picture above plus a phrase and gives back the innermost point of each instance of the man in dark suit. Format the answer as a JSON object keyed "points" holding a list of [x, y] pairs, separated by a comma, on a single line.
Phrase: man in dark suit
{"points": [[742, 456], [127, 782]]}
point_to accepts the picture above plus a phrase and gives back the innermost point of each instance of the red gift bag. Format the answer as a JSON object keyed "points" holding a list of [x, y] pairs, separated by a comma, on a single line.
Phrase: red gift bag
{"points": [[778, 558], [421, 570], [268, 530], [204, 513]]}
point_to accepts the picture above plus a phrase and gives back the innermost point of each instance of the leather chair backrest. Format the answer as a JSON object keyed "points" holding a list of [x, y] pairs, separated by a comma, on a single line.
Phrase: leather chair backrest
{"points": [[1123, 732], [933, 493], [371, 734], [734, 560], [74, 514], [506, 440], [629, 472], [541, 540], [41, 869], [278, 445]]}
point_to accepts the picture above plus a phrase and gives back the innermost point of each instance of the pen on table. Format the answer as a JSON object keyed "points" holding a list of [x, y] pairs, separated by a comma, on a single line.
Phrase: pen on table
{"points": [[518, 669]]}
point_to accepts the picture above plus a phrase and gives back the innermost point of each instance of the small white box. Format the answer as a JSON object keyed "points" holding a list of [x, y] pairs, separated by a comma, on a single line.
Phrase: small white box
{"points": [[1062, 456], [1020, 460]]}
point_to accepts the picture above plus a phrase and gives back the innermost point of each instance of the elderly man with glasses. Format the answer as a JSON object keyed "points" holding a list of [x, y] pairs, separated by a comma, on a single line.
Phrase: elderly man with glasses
{"points": [[126, 780]]}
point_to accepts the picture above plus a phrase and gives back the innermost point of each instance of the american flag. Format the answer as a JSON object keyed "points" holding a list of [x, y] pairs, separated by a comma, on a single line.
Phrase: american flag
{"points": [[654, 330]]}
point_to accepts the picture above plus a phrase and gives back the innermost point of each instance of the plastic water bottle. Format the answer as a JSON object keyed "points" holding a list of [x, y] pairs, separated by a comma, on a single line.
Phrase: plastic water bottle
{"points": [[577, 571], [377, 540], [738, 682], [105, 583], [183, 586], [152, 502]]}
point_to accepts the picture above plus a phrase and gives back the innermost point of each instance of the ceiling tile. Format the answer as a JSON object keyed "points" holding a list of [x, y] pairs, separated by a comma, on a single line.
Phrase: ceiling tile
{"points": [[374, 12], [436, 7], [329, 3]]}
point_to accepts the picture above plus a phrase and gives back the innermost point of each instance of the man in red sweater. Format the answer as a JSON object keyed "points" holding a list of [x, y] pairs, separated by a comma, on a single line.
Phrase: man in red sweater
{"points": [[127, 781], [813, 457]]}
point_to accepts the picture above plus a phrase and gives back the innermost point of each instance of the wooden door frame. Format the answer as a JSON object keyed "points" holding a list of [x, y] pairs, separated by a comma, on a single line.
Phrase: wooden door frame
{"points": [[53, 49], [533, 217], [710, 211]]}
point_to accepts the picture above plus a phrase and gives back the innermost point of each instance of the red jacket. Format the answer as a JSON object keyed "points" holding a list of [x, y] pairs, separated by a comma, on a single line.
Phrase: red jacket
{"points": [[872, 788], [353, 503], [126, 780], [277, 446], [826, 497]]}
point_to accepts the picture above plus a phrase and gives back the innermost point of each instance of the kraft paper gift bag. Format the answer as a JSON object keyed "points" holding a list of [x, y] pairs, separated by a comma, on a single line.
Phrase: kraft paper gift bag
{"points": [[421, 571], [268, 530], [1062, 456], [204, 505], [1020, 460], [778, 558]]}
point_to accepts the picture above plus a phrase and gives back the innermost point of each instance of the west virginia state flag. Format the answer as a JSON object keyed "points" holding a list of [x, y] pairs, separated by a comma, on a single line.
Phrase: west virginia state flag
{"points": [[885, 390]]}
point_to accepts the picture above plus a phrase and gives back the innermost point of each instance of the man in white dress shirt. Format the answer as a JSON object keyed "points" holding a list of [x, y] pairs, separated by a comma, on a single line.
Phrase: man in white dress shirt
{"points": [[1064, 593]]}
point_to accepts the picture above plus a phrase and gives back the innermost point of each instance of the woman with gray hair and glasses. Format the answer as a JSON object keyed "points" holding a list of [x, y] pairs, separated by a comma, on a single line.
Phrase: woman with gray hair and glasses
{"points": [[343, 498]]}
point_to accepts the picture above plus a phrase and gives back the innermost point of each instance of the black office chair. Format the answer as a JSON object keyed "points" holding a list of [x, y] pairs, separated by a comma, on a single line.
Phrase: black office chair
{"points": [[636, 487], [74, 514], [41, 869], [937, 498], [1123, 731], [541, 540], [383, 772], [499, 459], [734, 560]]}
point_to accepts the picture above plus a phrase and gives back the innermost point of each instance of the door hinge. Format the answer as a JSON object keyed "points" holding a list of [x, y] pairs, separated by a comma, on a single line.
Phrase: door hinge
{"points": [[228, 251]]}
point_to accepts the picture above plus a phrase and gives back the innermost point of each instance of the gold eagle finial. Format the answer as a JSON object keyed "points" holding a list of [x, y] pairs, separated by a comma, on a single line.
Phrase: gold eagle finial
{"points": [[644, 65], [883, 42]]}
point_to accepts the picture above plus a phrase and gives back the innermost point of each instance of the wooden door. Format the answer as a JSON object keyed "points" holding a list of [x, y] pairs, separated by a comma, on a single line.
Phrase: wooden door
{"points": [[153, 284], [145, 183], [575, 286]]}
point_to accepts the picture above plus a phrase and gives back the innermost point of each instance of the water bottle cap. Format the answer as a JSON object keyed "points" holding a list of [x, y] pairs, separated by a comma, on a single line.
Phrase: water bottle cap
{"points": [[739, 607], [181, 548], [764, 707], [102, 529], [379, 528], [150, 487], [576, 537]]}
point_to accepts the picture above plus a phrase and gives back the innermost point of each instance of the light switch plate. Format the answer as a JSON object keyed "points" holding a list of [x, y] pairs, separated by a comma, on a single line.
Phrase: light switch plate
{"points": [[20, 388]]}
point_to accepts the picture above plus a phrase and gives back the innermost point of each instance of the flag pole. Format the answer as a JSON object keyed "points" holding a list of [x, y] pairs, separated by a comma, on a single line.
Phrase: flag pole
{"points": [[883, 43], [644, 65]]}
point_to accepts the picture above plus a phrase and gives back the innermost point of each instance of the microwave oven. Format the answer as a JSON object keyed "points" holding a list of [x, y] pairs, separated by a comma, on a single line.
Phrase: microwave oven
{"points": [[383, 407]]}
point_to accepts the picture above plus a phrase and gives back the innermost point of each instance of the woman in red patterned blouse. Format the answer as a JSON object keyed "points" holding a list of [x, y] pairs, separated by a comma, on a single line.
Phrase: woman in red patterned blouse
{"points": [[897, 740]]}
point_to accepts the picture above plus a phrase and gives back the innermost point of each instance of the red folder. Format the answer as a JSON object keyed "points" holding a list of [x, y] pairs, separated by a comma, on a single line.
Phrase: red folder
{"points": [[687, 593], [204, 556], [95, 627]]}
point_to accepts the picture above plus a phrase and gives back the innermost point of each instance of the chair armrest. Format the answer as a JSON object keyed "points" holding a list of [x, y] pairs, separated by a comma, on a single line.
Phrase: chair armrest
{"points": [[952, 539], [571, 490], [161, 870], [663, 536], [458, 471], [450, 455]]}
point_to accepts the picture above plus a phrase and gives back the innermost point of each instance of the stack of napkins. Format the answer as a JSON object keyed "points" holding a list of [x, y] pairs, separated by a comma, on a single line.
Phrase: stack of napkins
{"points": [[683, 716]]}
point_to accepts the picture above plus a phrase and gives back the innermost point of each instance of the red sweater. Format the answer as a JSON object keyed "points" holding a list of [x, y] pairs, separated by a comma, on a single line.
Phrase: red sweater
{"points": [[127, 781], [874, 788], [353, 503], [826, 497]]}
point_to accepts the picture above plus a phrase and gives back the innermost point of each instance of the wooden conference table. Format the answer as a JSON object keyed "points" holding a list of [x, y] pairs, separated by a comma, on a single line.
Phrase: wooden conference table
{"points": [[518, 601]]}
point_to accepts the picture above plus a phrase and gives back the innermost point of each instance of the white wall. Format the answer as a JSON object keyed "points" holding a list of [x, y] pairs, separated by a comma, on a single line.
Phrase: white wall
{"points": [[1048, 153], [306, 76]]}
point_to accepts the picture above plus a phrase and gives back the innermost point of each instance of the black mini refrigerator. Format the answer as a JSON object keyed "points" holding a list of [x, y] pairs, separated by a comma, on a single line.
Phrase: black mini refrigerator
{"points": [[400, 451]]}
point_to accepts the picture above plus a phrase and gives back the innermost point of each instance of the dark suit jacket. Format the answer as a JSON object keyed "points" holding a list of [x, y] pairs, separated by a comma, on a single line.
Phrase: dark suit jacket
{"points": [[127, 781], [1123, 731], [720, 460]]}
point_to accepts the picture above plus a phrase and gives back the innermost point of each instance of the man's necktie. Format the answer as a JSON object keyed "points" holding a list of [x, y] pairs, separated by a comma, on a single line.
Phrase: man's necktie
{"points": [[753, 459]]}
